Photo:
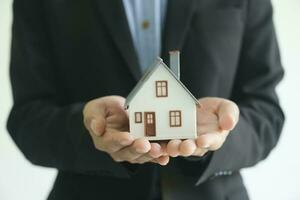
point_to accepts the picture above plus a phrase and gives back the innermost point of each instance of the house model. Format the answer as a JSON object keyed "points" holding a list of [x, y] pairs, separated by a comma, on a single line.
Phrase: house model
{"points": [[160, 107]]}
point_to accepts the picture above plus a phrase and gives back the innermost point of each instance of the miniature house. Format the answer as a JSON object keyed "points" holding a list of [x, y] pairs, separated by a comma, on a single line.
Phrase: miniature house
{"points": [[160, 107]]}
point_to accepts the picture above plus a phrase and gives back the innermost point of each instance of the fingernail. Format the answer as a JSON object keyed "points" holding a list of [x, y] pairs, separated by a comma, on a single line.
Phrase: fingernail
{"points": [[206, 146]]}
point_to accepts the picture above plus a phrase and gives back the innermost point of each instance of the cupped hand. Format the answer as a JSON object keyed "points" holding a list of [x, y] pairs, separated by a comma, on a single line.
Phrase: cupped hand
{"points": [[216, 117], [107, 123]]}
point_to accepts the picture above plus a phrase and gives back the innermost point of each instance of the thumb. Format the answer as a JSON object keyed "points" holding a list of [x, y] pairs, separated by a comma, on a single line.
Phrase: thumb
{"points": [[228, 114], [97, 126], [94, 113]]}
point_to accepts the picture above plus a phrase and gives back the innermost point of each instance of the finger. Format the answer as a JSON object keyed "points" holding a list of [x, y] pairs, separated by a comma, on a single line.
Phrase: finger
{"points": [[187, 147], [163, 146], [138, 148], [207, 128], [97, 126], [173, 148], [211, 141], [206, 115], [141, 145], [163, 160], [118, 121], [155, 160], [114, 141], [94, 117], [200, 152], [142, 159], [125, 154], [154, 152], [228, 115]]}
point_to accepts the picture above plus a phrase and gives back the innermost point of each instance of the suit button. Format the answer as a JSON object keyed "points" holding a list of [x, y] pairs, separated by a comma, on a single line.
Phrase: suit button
{"points": [[219, 173], [227, 173], [145, 24], [222, 173]]}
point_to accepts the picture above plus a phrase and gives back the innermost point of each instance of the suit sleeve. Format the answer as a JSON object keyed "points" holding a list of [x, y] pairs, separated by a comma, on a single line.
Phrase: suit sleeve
{"points": [[261, 118], [45, 126]]}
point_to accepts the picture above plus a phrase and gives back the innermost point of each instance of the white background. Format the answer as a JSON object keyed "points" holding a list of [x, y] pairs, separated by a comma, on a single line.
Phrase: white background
{"points": [[277, 178]]}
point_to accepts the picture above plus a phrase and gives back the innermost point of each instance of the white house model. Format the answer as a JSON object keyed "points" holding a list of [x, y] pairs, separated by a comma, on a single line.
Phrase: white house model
{"points": [[160, 107]]}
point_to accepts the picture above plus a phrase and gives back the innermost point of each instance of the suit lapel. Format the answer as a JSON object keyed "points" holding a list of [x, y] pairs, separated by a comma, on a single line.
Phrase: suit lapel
{"points": [[115, 18], [178, 18], [179, 15]]}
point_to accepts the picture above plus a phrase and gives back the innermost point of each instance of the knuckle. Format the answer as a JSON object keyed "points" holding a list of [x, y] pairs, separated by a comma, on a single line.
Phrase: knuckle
{"points": [[147, 156], [132, 161], [117, 159], [132, 151], [125, 157], [116, 141], [98, 146], [102, 147], [141, 161], [112, 149], [106, 138]]}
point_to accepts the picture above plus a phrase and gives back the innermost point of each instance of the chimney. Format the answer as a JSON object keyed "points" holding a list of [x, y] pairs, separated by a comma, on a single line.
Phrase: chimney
{"points": [[175, 63]]}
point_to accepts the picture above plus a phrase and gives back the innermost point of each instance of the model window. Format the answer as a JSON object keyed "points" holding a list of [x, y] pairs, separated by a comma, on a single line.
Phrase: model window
{"points": [[161, 88], [175, 118], [138, 117], [149, 119]]}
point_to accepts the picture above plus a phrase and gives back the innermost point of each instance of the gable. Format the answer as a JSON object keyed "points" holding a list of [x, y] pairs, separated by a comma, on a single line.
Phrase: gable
{"points": [[158, 72]]}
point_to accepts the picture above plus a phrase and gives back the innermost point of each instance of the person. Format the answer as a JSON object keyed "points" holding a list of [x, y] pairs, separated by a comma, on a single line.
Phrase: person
{"points": [[74, 62]]}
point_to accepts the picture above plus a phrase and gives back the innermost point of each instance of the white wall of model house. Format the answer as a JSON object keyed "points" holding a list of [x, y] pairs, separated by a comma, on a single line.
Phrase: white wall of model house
{"points": [[145, 100]]}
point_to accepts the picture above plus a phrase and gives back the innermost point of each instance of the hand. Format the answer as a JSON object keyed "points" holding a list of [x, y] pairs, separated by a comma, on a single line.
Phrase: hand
{"points": [[216, 117], [107, 123]]}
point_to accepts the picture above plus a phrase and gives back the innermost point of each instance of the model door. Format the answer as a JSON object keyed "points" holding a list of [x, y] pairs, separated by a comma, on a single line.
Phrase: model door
{"points": [[150, 124]]}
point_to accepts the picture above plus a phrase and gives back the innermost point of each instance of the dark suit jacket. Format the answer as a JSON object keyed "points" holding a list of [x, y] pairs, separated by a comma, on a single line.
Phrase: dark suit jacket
{"points": [[66, 52]]}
